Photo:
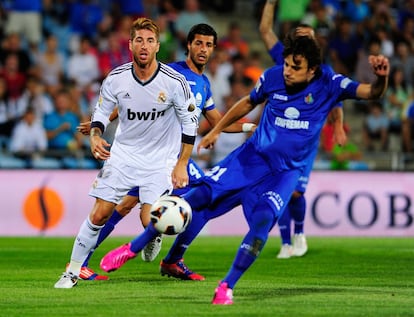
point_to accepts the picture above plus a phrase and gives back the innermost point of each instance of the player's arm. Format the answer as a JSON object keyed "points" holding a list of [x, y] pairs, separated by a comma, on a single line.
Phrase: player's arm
{"points": [[185, 109], [85, 127], [381, 68], [236, 112], [267, 34], [99, 146], [336, 116], [213, 117]]}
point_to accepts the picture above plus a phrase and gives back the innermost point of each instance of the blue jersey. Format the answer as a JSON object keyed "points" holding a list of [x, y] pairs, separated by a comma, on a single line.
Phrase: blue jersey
{"points": [[199, 84], [276, 53], [295, 119], [269, 164]]}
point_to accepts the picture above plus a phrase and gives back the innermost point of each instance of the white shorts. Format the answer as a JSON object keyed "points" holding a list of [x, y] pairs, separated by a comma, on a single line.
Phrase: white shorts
{"points": [[115, 180]]}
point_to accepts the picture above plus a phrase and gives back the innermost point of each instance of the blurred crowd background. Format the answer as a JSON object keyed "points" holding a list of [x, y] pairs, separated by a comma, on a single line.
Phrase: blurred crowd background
{"points": [[55, 53]]}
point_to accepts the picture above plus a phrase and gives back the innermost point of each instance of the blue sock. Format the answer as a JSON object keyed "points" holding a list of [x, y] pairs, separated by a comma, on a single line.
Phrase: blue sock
{"points": [[184, 239], [284, 226], [142, 240], [297, 207], [262, 222], [105, 232]]}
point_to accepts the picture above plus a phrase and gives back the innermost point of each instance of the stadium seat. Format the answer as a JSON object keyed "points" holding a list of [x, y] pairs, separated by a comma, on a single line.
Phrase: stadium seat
{"points": [[10, 162]]}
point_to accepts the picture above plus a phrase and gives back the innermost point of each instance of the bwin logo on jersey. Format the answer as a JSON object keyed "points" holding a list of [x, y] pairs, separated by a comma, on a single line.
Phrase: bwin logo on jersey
{"points": [[150, 115]]}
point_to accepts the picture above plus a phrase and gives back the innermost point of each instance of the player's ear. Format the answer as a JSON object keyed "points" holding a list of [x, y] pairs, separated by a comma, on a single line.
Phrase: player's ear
{"points": [[311, 72]]}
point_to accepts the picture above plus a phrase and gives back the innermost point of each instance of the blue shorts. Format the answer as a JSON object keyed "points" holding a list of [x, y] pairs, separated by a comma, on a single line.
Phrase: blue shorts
{"points": [[244, 178], [304, 178]]}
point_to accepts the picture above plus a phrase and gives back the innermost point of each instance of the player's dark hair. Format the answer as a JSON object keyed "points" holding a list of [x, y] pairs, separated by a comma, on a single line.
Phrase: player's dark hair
{"points": [[203, 29], [303, 46]]}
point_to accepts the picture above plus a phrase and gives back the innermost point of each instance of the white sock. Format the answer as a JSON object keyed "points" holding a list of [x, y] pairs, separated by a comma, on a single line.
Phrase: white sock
{"points": [[84, 243]]}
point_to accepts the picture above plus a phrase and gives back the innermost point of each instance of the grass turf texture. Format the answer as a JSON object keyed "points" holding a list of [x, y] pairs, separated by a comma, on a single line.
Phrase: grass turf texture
{"points": [[338, 277]]}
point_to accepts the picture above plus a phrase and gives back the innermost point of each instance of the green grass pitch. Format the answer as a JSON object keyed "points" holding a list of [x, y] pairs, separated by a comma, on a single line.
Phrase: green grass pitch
{"points": [[337, 277]]}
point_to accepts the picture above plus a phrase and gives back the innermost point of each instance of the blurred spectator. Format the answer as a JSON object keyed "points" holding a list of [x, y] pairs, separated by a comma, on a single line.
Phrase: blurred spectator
{"points": [[405, 12], [387, 45], [50, 65], [24, 18], [363, 71], [105, 28], [404, 59], [234, 42], [219, 84], [15, 79], [290, 13], [375, 127], [84, 17], [356, 10], [112, 56], [132, 8], [227, 142], [167, 8], [83, 65], [408, 127], [36, 97], [122, 30], [323, 26], [168, 43], [82, 102], [12, 44], [55, 20], [407, 32], [344, 47], [190, 15], [347, 156], [28, 138], [254, 69], [396, 96], [327, 140], [61, 125], [10, 111], [238, 74]]}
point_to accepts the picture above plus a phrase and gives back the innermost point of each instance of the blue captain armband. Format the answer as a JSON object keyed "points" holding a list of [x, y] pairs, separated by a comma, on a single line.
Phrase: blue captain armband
{"points": [[188, 139]]}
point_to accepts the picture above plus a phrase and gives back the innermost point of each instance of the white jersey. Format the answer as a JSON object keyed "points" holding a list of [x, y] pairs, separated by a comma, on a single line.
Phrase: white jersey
{"points": [[152, 116]]}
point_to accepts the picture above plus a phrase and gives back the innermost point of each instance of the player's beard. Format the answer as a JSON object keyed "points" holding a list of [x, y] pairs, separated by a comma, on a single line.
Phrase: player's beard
{"points": [[199, 66], [142, 64], [296, 87]]}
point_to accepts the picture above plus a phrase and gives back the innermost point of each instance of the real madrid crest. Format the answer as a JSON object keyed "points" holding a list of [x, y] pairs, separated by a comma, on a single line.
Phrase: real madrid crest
{"points": [[162, 97]]}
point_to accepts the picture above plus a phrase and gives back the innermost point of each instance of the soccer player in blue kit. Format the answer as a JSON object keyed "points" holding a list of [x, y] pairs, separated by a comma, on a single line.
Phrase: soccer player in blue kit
{"points": [[201, 41], [263, 172], [296, 208]]}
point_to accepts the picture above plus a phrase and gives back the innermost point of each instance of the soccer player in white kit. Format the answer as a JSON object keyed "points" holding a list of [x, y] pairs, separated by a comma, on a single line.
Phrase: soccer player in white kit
{"points": [[157, 121]]}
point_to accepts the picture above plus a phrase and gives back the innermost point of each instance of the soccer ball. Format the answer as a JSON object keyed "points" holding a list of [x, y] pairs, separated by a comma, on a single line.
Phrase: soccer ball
{"points": [[170, 215]]}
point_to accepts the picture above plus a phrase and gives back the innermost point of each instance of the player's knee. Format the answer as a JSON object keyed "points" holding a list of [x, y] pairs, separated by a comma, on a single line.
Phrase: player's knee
{"points": [[126, 205]]}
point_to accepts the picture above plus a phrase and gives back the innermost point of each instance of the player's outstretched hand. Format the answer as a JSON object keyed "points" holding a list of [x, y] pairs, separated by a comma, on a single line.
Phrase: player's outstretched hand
{"points": [[84, 127], [208, 141], [380, 65]]}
